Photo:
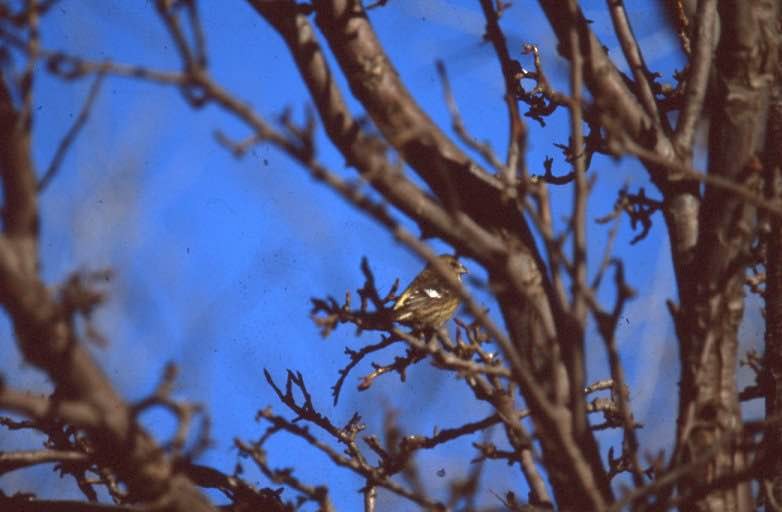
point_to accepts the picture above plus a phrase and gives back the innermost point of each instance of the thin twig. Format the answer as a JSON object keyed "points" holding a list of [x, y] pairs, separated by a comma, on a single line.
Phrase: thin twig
{"points": [[517, 132], [482, 148], [72, 133], [683, 171]]}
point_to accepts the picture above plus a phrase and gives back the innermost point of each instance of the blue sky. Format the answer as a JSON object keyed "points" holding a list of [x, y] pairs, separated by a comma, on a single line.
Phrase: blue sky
{"points": [[216, 258]]}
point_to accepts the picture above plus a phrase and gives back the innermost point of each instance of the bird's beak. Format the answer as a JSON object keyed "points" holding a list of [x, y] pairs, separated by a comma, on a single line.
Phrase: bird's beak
{"points": [[462, 269]]}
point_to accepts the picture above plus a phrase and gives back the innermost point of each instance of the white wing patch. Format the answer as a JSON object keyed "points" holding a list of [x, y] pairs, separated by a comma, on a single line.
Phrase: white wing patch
{"points": [[432, 293]]}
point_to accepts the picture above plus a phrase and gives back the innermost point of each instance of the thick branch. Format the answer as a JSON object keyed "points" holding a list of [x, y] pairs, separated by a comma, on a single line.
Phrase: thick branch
{"points": [[46, 335], [708, 323]]}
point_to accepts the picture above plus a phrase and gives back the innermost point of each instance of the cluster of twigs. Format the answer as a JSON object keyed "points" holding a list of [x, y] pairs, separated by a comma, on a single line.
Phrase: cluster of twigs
{"points": [[468, 356]]}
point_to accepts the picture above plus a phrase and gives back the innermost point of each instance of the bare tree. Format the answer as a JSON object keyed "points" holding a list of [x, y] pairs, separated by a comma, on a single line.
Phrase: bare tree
{"points": [[723, 225]]}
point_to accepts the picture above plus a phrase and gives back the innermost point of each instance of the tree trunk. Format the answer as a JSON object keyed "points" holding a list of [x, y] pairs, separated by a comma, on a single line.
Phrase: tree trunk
{"points": [[713, 302], [771, 378]]}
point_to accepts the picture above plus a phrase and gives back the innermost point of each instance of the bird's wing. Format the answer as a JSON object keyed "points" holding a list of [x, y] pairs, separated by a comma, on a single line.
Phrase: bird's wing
{"points": [[415, 298]]}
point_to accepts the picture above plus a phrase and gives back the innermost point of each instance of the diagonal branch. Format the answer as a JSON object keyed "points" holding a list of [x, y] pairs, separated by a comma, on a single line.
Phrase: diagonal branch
{"points": [[634, 58], [72, 133], [700, 68]]}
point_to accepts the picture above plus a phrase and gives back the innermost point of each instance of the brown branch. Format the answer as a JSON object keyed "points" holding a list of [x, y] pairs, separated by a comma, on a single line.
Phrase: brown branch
{"points": [[517, 132], [455, 362], [542, 100], [578, 224], [32, 45], [364, 152], [400, 365], [370, 498], [71, 67], [191, 56], [42, 409], [20, 211], [73, 132], [355, 357], [638, 207], [700, 68], [318, 494], [770, 376], [683, 26], [713, 303], [402, 122], [601, 76], [664, 483], [184, 413], [573, 342], [352, 461], [45, 332], [29, 504], [412, 443], [11, 461], [634, 58], [686, 172], [238, 491], [482, 148], [607, 325]]}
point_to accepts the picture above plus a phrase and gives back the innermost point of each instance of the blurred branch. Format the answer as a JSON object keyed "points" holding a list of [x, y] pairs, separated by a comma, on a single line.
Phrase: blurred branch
{"points": [[550, 178], [601, 76], [634, 58], [482, 148], [517, 133], [29, 504], [638, 207], [41, 408], [683, 26], [542, 100], [240, 492], [11, 461], [370, 498], [685, 172], [699, 67], [21, 18], [182, 411], [70, 136], [26, 82], [574, 343], [663, 483], [47, 336]]}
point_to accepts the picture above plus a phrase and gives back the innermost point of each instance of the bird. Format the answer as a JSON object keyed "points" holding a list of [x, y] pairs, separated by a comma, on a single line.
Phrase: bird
{"points": [[428, 301]]}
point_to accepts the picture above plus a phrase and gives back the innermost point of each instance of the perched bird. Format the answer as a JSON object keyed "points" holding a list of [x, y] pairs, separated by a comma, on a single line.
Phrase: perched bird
{"points": [[428, 301]]}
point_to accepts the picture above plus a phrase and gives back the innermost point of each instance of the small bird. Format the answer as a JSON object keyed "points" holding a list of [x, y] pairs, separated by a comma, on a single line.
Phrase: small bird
{"points": [[428, 301]]}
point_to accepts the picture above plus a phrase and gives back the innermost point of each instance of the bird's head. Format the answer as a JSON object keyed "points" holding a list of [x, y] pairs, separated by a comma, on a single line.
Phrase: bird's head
{"points": [[453, 264]]}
